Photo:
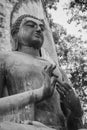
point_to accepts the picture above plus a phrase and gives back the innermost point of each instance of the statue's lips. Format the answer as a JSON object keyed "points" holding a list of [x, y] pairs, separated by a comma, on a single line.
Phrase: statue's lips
{"points": [[37, 35]]}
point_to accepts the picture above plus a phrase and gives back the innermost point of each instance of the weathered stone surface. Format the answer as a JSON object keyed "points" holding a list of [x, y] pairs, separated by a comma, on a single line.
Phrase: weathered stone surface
{"points": [[36, 9], [15, 126]]}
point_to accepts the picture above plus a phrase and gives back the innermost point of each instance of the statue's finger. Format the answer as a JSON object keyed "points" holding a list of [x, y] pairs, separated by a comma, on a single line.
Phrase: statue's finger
{"points": [[60, 92], [61, 89], [49, 70], [61, 84], [45, 67], [53, 81], [50, 67], [53, 67], [53, 84], [44, 74], [67, 86], [54, 75]]}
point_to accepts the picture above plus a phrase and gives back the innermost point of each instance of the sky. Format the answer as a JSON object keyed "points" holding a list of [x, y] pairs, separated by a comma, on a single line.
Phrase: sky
{"points": [[59, 16]]}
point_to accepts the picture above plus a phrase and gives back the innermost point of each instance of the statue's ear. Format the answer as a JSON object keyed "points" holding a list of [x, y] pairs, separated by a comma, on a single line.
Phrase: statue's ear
{"points": [[14, 42]]}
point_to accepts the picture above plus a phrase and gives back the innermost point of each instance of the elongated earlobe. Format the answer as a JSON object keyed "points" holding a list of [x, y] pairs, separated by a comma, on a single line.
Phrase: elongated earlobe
{"points": [[14, 42]]}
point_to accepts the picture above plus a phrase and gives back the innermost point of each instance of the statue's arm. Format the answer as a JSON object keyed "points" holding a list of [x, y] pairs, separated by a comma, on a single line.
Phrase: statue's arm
{"points": [[74, 114], [13, 102], [71, 104], [20, 100]]}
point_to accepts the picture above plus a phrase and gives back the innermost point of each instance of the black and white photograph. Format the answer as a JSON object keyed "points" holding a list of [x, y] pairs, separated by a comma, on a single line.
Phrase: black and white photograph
{"points": [[43, 64]]}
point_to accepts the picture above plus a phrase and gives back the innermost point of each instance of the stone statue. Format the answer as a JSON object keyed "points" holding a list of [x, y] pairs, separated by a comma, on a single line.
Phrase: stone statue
{"points": [[29, 86]]}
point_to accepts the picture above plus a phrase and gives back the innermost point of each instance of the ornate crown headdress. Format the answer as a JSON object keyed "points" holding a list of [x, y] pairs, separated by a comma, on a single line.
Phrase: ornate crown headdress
{"points": [[26, 7]]}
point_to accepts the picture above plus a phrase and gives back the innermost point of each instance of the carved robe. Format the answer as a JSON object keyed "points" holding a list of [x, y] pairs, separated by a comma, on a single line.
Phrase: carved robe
{"points": [[21, 72]]}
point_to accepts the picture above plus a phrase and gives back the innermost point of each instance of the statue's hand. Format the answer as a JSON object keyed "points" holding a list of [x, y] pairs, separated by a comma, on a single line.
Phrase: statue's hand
{"points": [[49, 81], [69, 98]]}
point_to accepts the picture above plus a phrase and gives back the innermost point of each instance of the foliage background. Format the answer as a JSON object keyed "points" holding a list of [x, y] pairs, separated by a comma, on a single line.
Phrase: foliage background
{"points": [[72, 49]]}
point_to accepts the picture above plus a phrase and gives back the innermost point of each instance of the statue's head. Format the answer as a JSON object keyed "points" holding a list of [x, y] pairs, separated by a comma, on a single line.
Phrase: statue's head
{"points": [[28, 31], [26, 27]]}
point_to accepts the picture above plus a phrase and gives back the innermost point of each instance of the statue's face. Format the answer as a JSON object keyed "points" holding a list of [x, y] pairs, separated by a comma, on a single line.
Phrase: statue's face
{"points": [[31, 33]]}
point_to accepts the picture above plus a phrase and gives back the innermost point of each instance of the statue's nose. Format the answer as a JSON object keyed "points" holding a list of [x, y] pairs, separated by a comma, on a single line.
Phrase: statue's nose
{"points": [[38, 28]]}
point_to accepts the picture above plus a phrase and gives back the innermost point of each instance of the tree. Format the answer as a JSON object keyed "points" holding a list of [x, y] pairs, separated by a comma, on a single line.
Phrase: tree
{"points": [[71, 50], [51, 4], [82, 4]]}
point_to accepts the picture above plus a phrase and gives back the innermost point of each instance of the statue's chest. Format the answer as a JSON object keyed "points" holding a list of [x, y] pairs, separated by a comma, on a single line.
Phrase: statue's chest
{"points": [[24, 73]]}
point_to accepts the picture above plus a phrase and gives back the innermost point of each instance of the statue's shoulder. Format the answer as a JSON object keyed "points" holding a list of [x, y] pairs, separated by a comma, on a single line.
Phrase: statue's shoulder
{"points": [[5, 55]]}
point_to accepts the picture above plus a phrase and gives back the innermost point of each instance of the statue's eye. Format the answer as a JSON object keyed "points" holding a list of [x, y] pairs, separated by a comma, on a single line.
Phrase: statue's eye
{"points": [[30, 24]]}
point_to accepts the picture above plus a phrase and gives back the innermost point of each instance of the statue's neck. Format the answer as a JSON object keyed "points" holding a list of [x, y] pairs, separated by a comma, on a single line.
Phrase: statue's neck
{"points": [[30, 51]]}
